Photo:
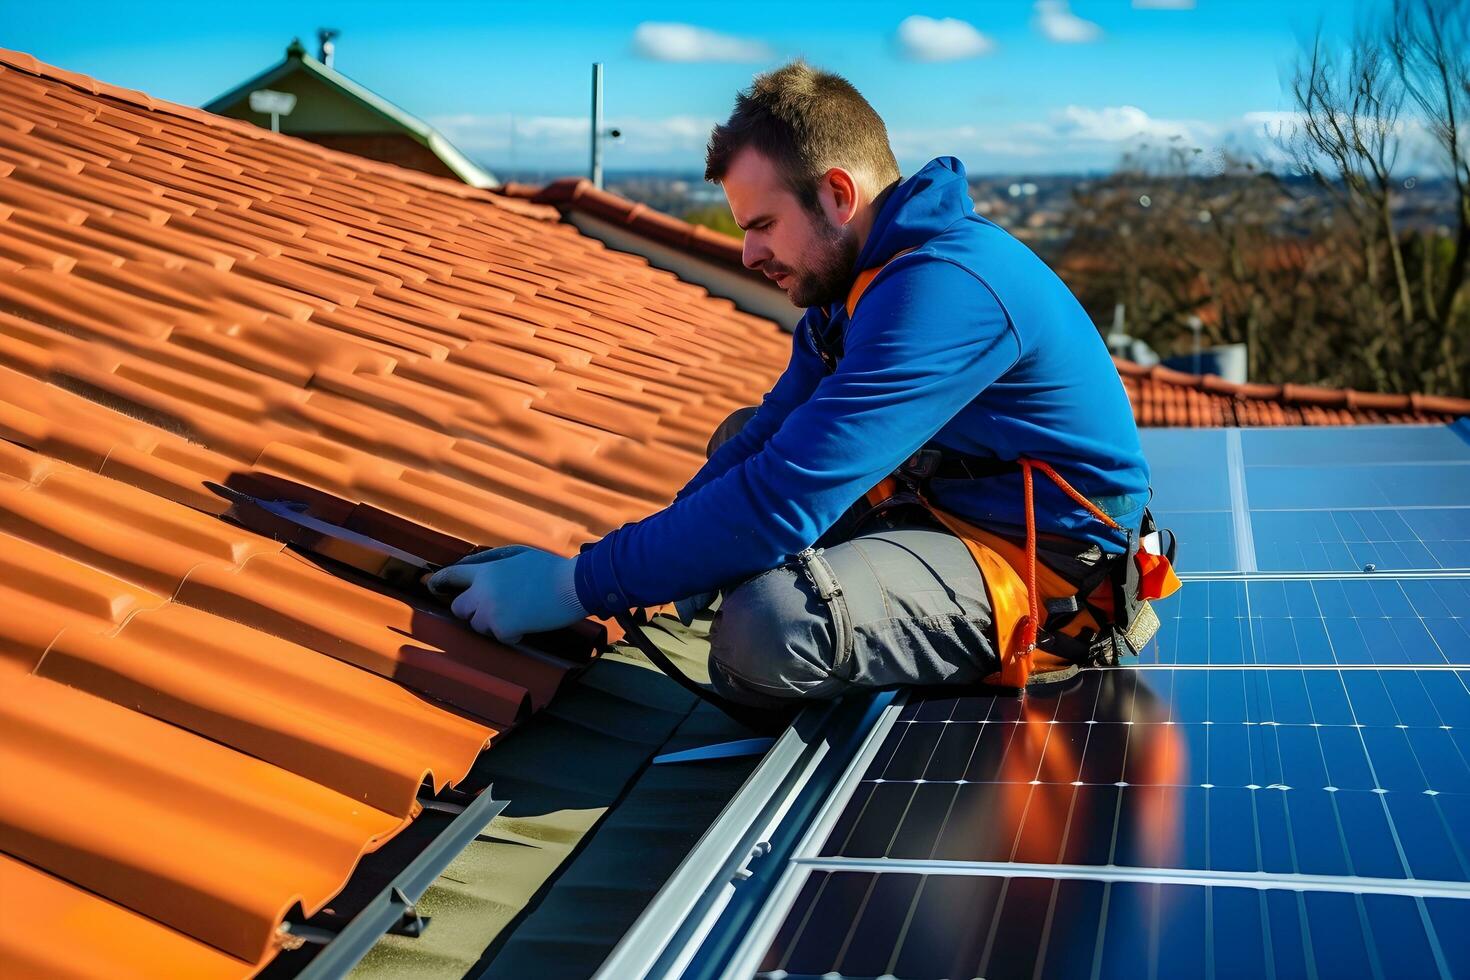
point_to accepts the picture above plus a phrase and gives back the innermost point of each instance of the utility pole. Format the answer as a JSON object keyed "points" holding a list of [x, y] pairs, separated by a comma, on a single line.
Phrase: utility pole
{"points": [[597, 125]]}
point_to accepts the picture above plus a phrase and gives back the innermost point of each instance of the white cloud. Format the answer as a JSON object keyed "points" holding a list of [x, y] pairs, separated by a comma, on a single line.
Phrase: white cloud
{"points": [[686, 43], [1077, 137], [1163, 4], [923, 38], [1114, 124], [1055, 20]]}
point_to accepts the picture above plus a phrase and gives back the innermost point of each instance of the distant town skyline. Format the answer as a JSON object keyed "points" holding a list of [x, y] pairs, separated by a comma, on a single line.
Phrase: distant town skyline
{"points": [[1009, 87]]}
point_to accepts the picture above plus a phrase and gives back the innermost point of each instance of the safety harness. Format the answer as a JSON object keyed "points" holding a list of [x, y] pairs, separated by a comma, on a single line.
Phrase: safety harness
{"points": [[1092, 622]]}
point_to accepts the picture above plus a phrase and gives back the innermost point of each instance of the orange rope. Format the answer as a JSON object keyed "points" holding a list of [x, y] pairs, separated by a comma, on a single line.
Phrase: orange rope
{"points": [[1028, 635], [1033, 622], [1067, 488]]}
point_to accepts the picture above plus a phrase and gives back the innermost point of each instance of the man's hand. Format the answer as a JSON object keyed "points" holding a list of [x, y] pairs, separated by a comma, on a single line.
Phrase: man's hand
{"points": [[511, 591]]}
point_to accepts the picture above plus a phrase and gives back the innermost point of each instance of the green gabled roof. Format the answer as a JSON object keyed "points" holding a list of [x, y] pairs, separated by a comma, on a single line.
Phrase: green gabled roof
{"points": [[297, 60]]}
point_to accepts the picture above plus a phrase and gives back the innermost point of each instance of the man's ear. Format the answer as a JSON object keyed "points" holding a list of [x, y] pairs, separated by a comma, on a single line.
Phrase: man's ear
{"points": [[840, 188]]}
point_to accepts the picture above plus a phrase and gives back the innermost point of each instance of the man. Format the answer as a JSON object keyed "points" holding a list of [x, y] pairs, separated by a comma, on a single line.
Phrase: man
{"points": [[964, 342]]}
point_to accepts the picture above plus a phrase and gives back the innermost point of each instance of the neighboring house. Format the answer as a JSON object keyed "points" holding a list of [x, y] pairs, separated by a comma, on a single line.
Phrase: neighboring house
{"points": [[336, 112], [695, 253]]}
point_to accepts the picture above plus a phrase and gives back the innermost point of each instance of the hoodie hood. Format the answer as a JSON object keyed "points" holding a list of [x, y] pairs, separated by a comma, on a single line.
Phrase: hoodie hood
{"points": [[917, 209]]}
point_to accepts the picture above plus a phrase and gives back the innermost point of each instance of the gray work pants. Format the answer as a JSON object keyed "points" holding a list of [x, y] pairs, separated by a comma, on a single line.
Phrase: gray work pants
{"points": [[887, 601]]}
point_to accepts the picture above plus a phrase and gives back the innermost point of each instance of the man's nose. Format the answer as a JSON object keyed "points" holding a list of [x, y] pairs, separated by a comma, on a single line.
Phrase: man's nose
{"points": [[753, 254]]}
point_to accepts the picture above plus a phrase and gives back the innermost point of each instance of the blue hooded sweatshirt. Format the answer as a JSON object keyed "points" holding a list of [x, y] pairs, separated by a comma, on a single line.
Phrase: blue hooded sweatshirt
{"points": [[968, 343]]}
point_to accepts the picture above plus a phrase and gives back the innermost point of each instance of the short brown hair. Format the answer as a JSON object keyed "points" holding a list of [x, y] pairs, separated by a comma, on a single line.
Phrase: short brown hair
{"points": [[806, 121]]}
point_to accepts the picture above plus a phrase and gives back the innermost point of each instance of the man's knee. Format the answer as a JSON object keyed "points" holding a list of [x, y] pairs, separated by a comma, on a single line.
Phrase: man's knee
{"points": [[772, 641], [727, 429]]}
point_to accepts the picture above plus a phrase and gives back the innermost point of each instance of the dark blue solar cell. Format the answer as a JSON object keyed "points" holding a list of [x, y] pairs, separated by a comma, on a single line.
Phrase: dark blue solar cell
{"points": [[1450, 920], [832, 903], [916, 742], [874, 938], [947, 932], [1434, 849], [1346, 762], [1232, 825], [1077, 905], [1313, 828], [929, 808], [1339, 947], [1370, 840], [1237, 936]]}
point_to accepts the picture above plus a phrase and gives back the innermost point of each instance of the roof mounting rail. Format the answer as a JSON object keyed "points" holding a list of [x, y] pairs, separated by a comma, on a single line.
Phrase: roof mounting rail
{"points": [[394, 910], [757, 829]]}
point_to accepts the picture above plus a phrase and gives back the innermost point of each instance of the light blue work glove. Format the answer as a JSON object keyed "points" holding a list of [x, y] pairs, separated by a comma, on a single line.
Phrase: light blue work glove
{"points": [[511, 591], [690, 607]]}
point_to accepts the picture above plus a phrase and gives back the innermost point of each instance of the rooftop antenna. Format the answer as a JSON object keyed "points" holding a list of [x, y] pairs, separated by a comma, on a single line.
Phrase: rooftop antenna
{"points": [[271, 103], [325, 36], [597, 131]]}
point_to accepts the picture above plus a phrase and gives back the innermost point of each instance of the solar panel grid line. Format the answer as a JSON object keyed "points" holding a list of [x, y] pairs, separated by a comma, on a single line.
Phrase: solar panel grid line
{"points": [[1456, 890], [1245, 545], [1288, 666], [1389, 575], [1358, 508], [1376, 462]]}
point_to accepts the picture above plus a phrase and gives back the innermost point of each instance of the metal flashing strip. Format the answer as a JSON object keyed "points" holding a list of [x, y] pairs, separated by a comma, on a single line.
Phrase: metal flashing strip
{"points": [[1162, 876], [1245, 542], [394, 904], [724, 880], [742, 962]]}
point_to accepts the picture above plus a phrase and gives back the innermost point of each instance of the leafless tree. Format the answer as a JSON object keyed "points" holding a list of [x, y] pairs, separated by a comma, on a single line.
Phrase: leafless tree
{"points": [[1362, 111], [1312, 272]]}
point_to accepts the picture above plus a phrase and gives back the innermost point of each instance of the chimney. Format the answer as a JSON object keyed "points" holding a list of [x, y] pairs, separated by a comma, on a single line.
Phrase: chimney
{"points": [[324, 36]]}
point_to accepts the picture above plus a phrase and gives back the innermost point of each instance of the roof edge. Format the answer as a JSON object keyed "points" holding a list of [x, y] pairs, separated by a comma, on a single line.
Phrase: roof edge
{"points": [[1295, 394], [579, 194]]}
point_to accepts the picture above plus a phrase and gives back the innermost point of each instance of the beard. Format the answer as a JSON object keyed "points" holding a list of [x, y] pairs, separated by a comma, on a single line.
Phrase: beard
{"points": [[827, 276]]}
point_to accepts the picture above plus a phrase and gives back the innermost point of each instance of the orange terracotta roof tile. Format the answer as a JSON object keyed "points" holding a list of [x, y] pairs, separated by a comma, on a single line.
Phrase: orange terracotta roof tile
{"points": [[1164, 397], [222, 725]]}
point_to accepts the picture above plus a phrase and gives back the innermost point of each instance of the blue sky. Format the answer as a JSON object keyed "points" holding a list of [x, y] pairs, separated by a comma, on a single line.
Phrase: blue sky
{"points": [[1006, 85]]}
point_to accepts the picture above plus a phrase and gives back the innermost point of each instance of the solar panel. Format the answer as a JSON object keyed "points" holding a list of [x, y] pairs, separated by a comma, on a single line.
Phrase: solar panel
{"points": [[861, 924], [1280, 771], [1318, 621], [1280, 785]]}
